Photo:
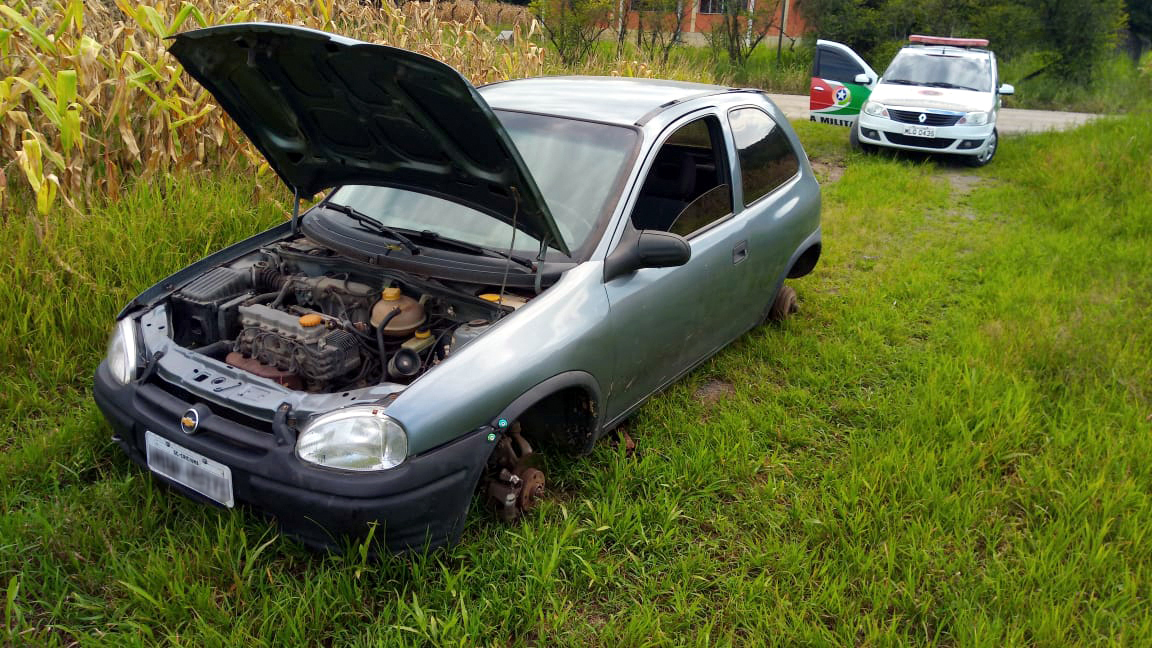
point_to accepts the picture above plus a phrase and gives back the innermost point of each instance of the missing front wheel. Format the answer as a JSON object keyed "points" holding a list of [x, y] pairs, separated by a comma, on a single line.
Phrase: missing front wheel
{"points": [[513, 486]]}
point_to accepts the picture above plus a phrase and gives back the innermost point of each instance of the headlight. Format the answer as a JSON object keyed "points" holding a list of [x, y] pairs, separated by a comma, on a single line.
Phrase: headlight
{"points": [[974, 119], [355, 438], [875, 108], [122, 352]]}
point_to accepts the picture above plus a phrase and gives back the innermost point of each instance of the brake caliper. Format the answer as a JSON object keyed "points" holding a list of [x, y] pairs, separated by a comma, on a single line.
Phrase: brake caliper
{"points": [[513, 486]]}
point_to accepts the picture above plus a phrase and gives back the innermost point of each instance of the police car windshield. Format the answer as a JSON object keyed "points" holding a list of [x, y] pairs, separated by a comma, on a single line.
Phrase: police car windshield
{"points": [[938, 69]]}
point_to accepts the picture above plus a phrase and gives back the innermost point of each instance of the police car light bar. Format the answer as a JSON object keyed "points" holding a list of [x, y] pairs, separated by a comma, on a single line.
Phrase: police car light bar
{"points": [[954, 42]]}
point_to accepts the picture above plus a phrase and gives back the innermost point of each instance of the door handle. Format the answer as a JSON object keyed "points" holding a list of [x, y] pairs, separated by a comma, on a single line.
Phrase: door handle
{"points": [[820, 88], [739, 252]]}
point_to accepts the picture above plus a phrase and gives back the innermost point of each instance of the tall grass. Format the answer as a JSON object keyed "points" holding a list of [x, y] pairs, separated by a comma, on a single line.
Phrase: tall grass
{"points": [[153, 228], [947, 446], [789, 75]]}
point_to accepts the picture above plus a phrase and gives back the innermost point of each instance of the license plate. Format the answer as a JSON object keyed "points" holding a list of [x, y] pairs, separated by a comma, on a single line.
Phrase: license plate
{"points": [[920, 131], [211, 479]]}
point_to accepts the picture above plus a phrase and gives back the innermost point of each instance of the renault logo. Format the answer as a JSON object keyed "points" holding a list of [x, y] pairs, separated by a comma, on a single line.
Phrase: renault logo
{"points": [[923, 118], [190, 421]]}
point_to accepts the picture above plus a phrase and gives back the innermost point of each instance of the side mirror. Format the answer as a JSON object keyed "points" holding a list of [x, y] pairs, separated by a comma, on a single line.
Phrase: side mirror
{"points": [[863, 79], [648, 249], [1007, 89]]}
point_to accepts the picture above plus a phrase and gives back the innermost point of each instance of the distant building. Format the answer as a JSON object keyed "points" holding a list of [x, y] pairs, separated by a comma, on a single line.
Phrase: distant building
{"points": [[703, 14]]}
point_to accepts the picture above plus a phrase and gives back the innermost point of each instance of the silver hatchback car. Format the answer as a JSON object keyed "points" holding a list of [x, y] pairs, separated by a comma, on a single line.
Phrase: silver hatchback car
{"points": [[497, 271]]}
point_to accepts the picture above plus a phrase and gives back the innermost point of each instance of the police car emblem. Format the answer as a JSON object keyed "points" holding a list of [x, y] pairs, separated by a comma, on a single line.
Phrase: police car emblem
{"points": [[841, 95]]}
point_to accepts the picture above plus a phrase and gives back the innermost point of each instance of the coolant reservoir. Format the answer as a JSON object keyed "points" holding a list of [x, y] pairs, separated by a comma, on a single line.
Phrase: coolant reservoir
{"points": [[410, 318]]}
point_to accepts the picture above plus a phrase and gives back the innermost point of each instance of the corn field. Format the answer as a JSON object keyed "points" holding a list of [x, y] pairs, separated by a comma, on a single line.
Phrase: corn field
{"points": [[90, 97]]}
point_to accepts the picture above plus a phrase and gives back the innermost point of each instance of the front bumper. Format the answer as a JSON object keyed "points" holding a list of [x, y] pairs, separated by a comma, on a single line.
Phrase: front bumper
{"points": [[952, 140], [421, 503]]}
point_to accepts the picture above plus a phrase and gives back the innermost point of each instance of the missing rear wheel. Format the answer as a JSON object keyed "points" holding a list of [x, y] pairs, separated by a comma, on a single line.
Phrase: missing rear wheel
{"points": [[784, 305]]}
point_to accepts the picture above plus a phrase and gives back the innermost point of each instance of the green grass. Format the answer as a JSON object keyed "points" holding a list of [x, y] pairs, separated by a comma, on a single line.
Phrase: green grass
{"points": [[948, 445]]}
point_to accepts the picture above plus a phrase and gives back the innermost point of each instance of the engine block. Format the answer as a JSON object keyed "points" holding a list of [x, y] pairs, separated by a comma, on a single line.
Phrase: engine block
{"points": [[277, 340]]}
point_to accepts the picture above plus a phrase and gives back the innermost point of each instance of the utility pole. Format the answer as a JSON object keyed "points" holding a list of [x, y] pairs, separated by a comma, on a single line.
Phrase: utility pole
{"points": [[780, 39], [751, 12]]}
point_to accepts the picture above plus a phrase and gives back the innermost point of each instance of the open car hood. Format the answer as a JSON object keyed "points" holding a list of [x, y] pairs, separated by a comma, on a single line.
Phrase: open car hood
{"points": [[327, 111]]}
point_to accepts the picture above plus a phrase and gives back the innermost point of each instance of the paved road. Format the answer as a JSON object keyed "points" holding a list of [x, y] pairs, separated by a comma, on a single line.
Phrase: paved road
{"points": [[1011, 120]]}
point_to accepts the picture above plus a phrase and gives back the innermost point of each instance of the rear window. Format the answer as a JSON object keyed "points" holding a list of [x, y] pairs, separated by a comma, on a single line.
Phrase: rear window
{"points": [[766, 156]]}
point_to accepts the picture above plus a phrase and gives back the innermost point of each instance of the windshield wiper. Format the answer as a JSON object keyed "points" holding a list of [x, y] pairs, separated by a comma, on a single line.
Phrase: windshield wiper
{"points": [[900, 81], [373, 225], [942, 84], [472, 247]]}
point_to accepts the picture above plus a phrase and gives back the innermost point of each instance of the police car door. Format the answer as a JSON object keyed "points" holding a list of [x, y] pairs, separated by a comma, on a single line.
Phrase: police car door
{"points": [[841, 83]]}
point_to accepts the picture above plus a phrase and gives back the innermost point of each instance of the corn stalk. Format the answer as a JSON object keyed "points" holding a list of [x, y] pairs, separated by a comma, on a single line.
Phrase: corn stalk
{"points": [[89, 95]]}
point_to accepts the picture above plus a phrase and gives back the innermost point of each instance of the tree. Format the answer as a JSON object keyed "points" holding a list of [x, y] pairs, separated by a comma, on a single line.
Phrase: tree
{"points": [[742, 27], [1073, 34], [573, 26], [849, 22], [1077, 33], [659, 24], [1139, 28]]}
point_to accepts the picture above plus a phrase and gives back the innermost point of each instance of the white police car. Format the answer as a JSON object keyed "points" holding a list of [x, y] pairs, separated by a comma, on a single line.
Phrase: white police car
{"points": [[939, 95]]}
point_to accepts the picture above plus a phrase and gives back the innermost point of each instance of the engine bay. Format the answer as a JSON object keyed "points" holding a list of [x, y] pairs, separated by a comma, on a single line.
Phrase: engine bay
{"points": [[302, 315]]}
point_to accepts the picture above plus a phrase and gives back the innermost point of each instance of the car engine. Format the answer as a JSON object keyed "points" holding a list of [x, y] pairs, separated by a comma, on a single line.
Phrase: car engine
{"points": [[303, 316]]}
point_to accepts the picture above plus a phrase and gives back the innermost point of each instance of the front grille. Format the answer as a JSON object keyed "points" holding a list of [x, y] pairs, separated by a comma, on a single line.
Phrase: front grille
{"points": [[930, 118], [923, 142], [228, 425]]}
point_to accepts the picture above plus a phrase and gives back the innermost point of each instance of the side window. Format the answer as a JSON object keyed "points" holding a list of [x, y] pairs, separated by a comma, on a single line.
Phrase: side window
{"points": [[687, 187], [766, 157], [837, 67]]}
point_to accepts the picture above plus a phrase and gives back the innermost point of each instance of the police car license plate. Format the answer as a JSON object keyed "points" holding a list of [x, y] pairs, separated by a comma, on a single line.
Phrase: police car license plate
{"points": [[211, 479], [920, 131]]}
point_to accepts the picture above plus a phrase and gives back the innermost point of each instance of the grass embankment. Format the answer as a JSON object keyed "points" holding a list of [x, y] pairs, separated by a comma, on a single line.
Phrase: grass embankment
{"points": [[949, 444]]}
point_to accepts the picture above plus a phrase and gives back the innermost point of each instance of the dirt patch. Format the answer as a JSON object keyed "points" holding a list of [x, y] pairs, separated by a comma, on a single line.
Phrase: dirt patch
{"points": [[714, 391], [963, 183], [828, 172]]}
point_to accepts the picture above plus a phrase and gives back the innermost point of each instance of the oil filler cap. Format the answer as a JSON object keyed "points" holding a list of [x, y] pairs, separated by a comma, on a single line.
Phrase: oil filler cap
{"points": [[310, 320]]}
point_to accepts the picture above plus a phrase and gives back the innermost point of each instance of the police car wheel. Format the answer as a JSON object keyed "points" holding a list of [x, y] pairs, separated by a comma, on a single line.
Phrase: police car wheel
{"points": [[854, 140], [989, 152]]}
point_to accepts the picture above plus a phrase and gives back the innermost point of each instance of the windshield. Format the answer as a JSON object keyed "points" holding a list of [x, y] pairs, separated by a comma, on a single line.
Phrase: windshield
{"points": [[576, 164], [933, 68]]}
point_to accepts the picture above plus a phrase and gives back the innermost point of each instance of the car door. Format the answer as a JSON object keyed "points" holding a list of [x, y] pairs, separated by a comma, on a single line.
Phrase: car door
{"points": [[838, 91], [768, 170], [665, 320]]}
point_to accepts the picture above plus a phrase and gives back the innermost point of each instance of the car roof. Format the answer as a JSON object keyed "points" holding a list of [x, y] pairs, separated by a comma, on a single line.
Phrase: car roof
{"points": [[616, 100]]}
